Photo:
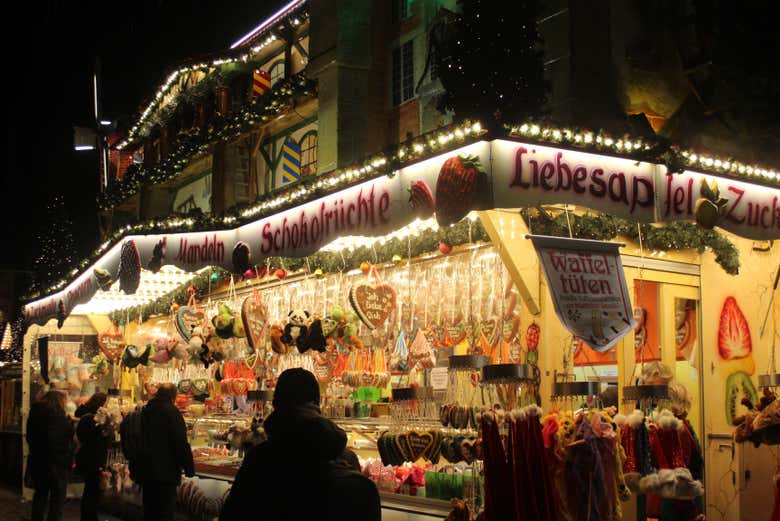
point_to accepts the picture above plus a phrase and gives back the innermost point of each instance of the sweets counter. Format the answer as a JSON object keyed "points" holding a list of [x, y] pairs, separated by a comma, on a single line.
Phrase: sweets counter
{"points": [[218, 455]]}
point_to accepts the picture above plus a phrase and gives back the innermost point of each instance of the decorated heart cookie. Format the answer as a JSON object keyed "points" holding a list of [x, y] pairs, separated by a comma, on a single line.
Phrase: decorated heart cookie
{"points": [[420, 444], [129, 267], [187, 317], [372, 303], [254, 315], [112, 343], [456, 330]]}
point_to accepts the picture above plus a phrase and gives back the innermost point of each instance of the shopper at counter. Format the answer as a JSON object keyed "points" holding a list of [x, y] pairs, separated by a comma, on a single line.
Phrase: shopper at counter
{"points": [[50, 438], [166, 452], [91, 454], [303, 470]]}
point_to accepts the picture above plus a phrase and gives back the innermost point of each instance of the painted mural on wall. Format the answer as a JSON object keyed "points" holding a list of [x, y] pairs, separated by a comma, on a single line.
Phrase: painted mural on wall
{"points": [[735, 349]]}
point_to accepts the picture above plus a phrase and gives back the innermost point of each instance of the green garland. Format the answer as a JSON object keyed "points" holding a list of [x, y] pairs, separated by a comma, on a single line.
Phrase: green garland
{"points": [[191, 145], [673, 236], [329, 262]]}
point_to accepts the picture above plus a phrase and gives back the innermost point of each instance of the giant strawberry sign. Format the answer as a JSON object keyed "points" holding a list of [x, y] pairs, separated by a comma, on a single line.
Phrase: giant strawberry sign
{"points": [[733, 332], [459, 188]]}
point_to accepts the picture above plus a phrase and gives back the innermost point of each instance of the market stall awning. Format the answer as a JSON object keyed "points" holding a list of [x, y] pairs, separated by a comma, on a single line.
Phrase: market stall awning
{"points": [[152, 287], [377, 200]]}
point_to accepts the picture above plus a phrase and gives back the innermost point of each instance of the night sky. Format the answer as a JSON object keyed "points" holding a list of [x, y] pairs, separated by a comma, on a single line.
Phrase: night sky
{"points": [[51, 48]]}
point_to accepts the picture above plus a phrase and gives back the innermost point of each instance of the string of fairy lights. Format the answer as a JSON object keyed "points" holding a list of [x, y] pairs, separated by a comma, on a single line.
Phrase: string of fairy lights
{"points": [[295, 17], [308, 188], [676, 159]]}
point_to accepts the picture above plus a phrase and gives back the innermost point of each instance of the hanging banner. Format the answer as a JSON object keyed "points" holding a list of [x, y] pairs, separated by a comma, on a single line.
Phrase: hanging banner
{"points": [[482, 175], [588, 288]]}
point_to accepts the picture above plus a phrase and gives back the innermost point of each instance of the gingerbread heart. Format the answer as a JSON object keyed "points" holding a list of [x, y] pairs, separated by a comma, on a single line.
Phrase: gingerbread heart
{"points": [[468, 450], [372, 303], [254, 315], [420, 444], [456, 330], [112, 344], [511, 326], [491, 330], [187, 318], [401, 447]]}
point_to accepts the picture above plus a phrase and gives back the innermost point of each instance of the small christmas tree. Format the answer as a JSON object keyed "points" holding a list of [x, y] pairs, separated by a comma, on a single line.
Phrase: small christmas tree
{"points": [[56, 245], [489, 59]]}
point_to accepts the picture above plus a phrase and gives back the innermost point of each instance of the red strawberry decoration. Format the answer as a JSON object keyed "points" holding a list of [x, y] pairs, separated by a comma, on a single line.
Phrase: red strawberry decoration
{"points": [[532, 337], [733, 333], [459, 188], [421, 199]]}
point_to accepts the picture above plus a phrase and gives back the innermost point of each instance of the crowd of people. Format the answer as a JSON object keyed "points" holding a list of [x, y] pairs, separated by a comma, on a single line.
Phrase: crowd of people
{"points": [[303, 469]]}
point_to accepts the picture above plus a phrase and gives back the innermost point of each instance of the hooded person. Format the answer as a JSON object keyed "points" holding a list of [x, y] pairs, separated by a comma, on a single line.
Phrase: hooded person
{"points": [[303, 470]]}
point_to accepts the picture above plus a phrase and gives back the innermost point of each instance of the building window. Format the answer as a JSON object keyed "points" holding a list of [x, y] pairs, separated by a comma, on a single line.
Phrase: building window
{"points": [[403, 73], [309, 153], [276, 72]]}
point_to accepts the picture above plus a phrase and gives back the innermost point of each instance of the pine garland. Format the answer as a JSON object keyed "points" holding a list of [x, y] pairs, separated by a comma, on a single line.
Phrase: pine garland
{"points": [[673, 236], [190, 145]]}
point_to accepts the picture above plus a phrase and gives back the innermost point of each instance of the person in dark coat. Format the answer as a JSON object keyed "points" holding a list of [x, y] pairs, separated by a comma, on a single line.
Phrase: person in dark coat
{"points": [[303, 470], [92, 453], [166, 454], [50, 438]]}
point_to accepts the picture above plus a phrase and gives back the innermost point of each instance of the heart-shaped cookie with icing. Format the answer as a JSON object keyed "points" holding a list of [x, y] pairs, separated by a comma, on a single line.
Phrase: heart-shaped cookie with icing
{"points": [[490, 329], [112, 343], [456, 330], [187, 317], [254, 315], [373, 303], [420, 444]]}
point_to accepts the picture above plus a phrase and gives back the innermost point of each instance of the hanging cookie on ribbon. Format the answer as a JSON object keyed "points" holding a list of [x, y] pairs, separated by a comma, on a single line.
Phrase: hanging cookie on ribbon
{"points": [[112, 342], [373, 303]]}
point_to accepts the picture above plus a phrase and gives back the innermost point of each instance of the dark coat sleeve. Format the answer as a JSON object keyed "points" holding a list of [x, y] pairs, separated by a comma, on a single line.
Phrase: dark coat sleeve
{"points": [[243, 492], [181, 444]]}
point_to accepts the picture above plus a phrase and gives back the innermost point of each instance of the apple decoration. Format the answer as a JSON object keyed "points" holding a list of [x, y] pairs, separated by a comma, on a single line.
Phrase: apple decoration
{"points": [[445, 248], [397, 259], [248, 274], [280, 273], [319, 273], [365, 267]]}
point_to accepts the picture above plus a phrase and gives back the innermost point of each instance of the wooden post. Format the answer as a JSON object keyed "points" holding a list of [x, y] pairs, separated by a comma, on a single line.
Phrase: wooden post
{"points": [[223, 99]]}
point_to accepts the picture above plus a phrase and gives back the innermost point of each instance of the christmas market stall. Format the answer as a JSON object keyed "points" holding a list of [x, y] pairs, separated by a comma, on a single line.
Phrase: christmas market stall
{"points": [[485, 315]]}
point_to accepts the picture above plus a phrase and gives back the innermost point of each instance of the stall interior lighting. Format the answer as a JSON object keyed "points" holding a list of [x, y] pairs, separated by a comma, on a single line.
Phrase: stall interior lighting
{"points": [[153, 286], [415, 228]]}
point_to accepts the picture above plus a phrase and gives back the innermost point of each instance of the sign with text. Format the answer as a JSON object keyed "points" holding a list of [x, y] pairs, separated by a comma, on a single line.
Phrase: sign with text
{"points": [[588, 288], [483, 175]]}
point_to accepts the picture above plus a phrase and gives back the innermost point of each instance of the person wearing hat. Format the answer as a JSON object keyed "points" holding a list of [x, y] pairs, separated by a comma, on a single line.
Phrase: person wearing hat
{"points": [[303, 470]]}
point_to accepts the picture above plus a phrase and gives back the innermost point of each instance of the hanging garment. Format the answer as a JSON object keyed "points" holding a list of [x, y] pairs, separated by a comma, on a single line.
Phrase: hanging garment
{"points": [[499, 493]]}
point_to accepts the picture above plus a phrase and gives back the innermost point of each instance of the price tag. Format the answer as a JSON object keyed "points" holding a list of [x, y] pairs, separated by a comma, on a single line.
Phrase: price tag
{"points": [[439, 378]]}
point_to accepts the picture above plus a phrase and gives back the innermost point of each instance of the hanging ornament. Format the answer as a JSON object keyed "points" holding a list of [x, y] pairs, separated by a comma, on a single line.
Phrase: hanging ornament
{"points": [[532, 337], [319, 273], [365, 267], [280, 273], [248, 274], [445, 248], [397, 259], [215, 277]]}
